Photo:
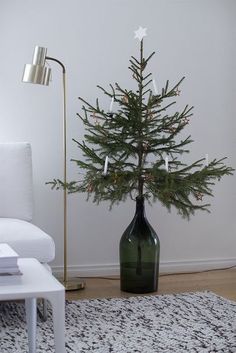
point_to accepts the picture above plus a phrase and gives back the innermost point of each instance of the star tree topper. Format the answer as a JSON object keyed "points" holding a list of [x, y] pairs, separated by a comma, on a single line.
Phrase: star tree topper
{"points": [[140, 33]]}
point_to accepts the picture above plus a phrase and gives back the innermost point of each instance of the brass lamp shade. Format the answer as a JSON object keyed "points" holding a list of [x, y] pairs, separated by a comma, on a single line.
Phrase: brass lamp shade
{"points": [[37, 72]]}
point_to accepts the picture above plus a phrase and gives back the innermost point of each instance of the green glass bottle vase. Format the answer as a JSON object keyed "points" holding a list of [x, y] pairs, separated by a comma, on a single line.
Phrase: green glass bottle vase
{"points": [[139, 254]]}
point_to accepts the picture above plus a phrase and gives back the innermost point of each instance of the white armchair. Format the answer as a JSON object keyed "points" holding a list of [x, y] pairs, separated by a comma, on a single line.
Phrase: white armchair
{"points": [[16, 205]]}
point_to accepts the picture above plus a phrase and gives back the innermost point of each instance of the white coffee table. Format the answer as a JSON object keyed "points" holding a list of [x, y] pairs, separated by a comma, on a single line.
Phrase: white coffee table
{"points": [[37, 282]]}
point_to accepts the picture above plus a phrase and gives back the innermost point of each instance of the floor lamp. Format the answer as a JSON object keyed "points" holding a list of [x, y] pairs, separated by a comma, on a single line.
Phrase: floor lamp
{"points": [[38, 73]]}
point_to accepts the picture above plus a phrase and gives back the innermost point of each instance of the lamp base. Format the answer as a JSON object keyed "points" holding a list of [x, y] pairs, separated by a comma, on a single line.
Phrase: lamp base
{"points": [[73, 283]]}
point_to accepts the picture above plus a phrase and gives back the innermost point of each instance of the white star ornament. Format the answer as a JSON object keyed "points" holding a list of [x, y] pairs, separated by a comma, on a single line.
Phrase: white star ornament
{"points": [[140, 33]]}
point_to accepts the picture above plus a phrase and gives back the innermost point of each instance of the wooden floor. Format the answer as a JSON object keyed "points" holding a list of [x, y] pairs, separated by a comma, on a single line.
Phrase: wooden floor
{"points": [[221, 282]]}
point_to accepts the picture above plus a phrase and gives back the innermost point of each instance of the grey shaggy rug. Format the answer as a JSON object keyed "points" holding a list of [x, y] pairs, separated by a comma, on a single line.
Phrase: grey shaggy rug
{"points": [[183, 323]]}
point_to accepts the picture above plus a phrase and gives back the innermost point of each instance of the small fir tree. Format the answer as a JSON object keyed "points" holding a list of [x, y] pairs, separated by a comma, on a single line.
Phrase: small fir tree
{"points": [[144, 147]]}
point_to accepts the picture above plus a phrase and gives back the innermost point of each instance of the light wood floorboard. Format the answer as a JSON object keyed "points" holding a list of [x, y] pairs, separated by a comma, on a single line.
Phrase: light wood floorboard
{"points": [[221, 282]]}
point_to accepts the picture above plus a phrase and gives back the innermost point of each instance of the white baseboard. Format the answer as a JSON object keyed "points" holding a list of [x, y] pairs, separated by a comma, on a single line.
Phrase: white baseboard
{"points": [[98, 270], [196, 265], [103, 270]]}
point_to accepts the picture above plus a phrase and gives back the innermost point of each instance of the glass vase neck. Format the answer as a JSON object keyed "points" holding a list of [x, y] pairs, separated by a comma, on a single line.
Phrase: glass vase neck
{"points": [[140, 208]]}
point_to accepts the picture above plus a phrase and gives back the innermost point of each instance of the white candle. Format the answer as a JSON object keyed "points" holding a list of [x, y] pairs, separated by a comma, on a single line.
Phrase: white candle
{"points": [[105, 166], [154, 86], [206, 160], [111, 104], [166, 164]]}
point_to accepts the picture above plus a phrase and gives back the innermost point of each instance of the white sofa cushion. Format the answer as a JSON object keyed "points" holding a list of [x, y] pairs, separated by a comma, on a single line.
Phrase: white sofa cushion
{"points": [[16, 190], [27, 239]]}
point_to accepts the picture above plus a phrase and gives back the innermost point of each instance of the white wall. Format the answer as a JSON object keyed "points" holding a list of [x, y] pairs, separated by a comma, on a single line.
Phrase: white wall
{"points": [[94, 38]]}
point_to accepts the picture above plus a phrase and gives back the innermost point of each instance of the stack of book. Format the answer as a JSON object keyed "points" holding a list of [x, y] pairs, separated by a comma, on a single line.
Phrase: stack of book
{"points": [[8, 261]]}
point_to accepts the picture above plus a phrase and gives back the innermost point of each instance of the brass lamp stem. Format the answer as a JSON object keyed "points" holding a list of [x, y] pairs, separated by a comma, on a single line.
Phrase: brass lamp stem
{"points": [[65, 176], [74, 283]]}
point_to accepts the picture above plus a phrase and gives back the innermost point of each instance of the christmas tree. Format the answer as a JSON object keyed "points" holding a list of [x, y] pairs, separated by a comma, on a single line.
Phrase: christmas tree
{"points": [[137, 150]]}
